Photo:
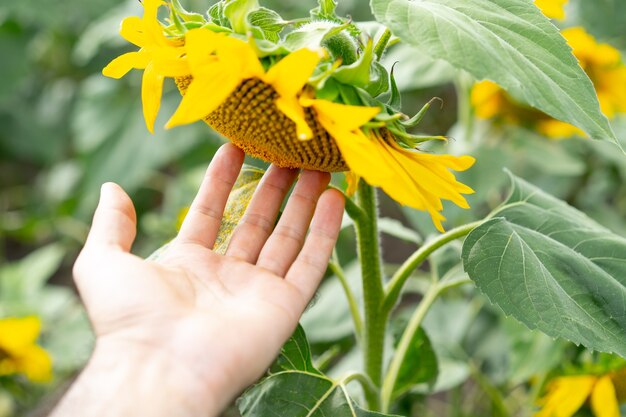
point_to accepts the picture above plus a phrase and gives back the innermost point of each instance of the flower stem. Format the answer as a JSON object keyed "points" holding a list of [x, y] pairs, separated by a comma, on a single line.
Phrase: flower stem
{"points": [[403, 347], [393, 289], [366, 383], [371, 270], [336, 268]]}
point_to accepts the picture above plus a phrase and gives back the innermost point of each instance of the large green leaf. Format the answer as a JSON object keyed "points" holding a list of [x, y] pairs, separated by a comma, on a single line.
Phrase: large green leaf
{"points": [[297, 389], [420, 365], [506, 41], [552, 268]]}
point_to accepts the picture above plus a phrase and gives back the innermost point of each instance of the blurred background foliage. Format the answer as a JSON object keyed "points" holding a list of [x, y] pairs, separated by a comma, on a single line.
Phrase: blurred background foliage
{"points": [[65, 129]]}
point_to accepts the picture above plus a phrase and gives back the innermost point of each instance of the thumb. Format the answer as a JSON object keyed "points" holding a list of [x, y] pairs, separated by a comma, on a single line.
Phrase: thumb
{"points": [[115, 222]]}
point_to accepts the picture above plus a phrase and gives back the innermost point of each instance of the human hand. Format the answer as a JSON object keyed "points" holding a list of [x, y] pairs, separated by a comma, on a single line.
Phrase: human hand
{"points": [[183, 335]]}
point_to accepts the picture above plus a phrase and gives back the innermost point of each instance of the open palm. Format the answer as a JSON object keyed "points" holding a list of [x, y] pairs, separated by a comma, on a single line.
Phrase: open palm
{"points": [[224, 317]]}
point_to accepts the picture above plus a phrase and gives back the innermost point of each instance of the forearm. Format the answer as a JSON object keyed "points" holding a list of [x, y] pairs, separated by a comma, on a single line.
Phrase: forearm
{"points": [[130, 382]]}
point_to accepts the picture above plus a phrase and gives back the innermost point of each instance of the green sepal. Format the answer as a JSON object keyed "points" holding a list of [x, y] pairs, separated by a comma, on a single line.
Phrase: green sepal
{"points": [[379, 80], [178, 24], [349, 95], [358, 73], [328, 91], [214, 27], [395, 100], [415, 120], [183, 14], [267, 23], [311, 35], [411, 140], [237, 11]]}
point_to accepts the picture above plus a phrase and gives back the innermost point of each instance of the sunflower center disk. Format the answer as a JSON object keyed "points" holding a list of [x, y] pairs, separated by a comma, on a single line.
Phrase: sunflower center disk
{"points": [[250, 119]]}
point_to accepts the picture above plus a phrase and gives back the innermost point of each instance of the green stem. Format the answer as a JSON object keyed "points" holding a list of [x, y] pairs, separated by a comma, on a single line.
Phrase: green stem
{"points": [[381, 45], [494, 394], [353, 210], [393, 289], [463, 86], [404, 345], [371, 270], [368, 386], [336, 268]]}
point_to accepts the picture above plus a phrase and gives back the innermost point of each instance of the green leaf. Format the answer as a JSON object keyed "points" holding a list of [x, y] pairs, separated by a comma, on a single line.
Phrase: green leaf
{"points": [[552, 268], [393, 227], [298, 389], [237, 11], [325, 10], [507, 41], [22, 279], [420, 365], [296, 354], [268, 22]]}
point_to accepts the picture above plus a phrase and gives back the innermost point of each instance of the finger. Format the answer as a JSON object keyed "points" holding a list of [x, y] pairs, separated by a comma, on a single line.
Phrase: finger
{"points": [[307, 271], [205, 214], [114, 222], [258, 221], [287, 239]]}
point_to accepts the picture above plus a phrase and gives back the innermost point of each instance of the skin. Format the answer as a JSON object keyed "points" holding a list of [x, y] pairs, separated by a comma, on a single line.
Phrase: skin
{"points": [[185, 334]]}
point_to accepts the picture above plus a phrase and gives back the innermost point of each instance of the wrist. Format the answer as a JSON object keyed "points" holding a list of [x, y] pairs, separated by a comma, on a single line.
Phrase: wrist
{"points": [[124, 379]]}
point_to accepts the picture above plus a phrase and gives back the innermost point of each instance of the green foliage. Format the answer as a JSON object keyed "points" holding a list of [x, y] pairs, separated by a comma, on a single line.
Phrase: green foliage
{"points": [[552, 268], [506, 41], [296, 388]]}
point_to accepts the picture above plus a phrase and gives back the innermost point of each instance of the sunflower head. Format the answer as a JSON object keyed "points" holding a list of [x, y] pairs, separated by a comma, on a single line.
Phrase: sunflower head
{"points": [[300, 94]]}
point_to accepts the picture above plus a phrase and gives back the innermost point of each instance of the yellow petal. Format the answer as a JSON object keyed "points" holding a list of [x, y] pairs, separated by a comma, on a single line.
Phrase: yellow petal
{"points": [[290, 74], [124, 63], [603, 399], [345, 117], [200, 44], [487, 99], [556, 129], [241, 56], [36, 364], [353, 183], [565, 396], [151, 92], [204, 95], [17, 334], [291, 108], [552, 8], [132, 29]]}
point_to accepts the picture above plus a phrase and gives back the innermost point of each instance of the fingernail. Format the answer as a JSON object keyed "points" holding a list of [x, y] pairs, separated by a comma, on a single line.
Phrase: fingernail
{"points": [[107, 191]]}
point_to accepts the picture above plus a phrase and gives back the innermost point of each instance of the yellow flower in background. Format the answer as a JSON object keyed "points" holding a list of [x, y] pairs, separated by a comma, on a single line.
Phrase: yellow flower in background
{"points": [[159, 57], [567, 394], [19, 353], [552, 8], [602, 63], [272, 112]]}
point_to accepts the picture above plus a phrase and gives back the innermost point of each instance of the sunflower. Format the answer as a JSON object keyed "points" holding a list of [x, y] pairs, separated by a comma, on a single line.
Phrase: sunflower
{"points": [[19, 353], [567, 394], [552, 8], [602, 63], [311, 99]]}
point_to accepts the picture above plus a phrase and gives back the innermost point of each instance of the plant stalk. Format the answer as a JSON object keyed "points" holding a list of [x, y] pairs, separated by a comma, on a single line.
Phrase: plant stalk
{"points": [[371, 270], [394, 288], [404, 345], [336, 268]]}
